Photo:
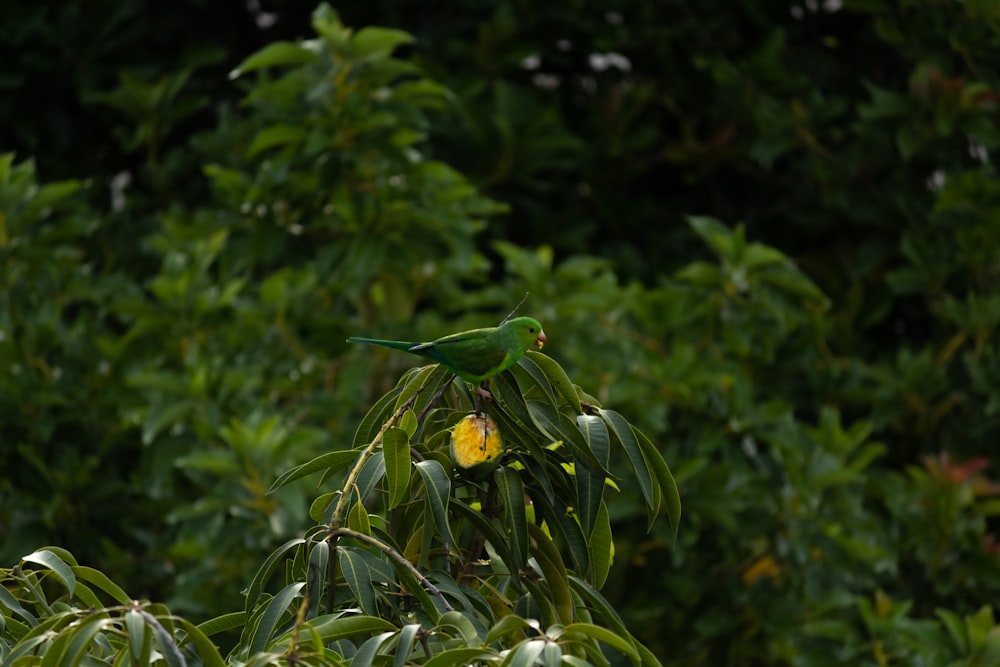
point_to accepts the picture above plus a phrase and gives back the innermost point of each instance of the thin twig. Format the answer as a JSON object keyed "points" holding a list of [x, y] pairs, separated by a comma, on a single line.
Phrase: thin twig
{"points": [[520, 303], [352, 477], [396, 556], [434, 398]]}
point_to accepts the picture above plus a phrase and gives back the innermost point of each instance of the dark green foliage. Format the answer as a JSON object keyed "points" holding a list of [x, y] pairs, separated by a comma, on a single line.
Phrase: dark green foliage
{"points": [[769, 240]]}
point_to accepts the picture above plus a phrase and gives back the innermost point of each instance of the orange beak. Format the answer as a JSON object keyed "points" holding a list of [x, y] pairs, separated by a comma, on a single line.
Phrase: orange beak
{"points": [[540, 341]]}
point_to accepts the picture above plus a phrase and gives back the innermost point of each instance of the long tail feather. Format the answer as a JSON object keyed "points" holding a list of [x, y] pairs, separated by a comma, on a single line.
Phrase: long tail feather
{"points": [[394, 344]]}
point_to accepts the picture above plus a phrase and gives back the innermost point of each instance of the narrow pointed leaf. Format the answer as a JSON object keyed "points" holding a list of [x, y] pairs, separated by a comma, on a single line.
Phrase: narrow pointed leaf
{"points": [[373, 420], [466, 629], [262, 576], [526, 653], [508, 625], [590, 486], [338, 628], [557, 376], [508, 395], [365, 657], [224, 623], [558, 427], [488, 529], [331, 461], [8, 600], [664, 478], [357, 519], [460, 657], [81, 639], [276, 54], [56, 565], [207, 650], [371, 474], [604, 635], [165, 641], [601, 547], [621, 431], [101, 580], [135, 626], [511, 493], [405, 646], [438, 487], [530, 375], [359, 579], [277, 608], [596, 602], [547, 556], [396, 447]]}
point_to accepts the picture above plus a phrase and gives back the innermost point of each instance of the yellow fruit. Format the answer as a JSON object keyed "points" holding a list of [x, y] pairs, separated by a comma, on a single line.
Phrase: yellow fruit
{"points": [[476, 446]]}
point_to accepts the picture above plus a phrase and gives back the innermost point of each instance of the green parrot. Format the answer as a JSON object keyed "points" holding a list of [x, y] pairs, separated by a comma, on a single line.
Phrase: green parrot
{"points": [[478, 354]]}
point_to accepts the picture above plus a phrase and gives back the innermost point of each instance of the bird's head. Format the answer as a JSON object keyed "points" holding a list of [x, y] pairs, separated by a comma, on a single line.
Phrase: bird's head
{"points": [[528, 332]]}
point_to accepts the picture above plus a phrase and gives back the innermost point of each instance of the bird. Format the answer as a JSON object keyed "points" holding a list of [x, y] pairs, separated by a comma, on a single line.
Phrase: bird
{"points": [[478, 354]]}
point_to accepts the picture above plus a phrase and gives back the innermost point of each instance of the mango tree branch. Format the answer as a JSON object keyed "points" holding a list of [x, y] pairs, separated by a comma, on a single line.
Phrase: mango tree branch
{"points": [[352, 477], [396, 556]]}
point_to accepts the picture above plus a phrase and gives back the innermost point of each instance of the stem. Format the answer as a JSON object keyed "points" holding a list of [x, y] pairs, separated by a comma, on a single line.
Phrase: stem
{"points": [[396, 556], [352, 477], [434, 398]]}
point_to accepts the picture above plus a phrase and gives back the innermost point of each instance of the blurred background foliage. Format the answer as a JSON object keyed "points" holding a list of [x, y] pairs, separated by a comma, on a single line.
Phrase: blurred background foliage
{"points": [[766, 232]]}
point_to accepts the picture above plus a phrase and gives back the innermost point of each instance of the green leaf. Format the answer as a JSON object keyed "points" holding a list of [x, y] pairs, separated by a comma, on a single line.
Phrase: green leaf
{"points": [[396, 447], [357, 519], [276, 54], [374, 418], [57, 566], [466, 629], [319, 567], [407, 636], [9, 601], [276, 135], [598, 603], [559, 427], [207, 651], [224, 623], [277, 608], [101, 580], [460, 657], [551, 655], [438, 494], [623, 644], [511, 491], [487, 528], [526, 653], [621, 431], [167, 645], [718, 237], [374, 42], [359, 579], [590, 487], [661, 471], [547, 556], [508, 625], [557, 376], [530, 374], [601, 547], [365, 657], [331, 461], [339, 628], [135, 626], [371, 474], [408, 422], [263, 574]]}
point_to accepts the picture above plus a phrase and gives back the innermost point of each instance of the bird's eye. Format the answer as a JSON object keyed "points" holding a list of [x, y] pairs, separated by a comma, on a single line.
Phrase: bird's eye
{"points": [[531, 329]]}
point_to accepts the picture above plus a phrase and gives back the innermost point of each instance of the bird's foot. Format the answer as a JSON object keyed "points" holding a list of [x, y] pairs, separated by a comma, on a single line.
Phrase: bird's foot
{"points": [[483, 397]]}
